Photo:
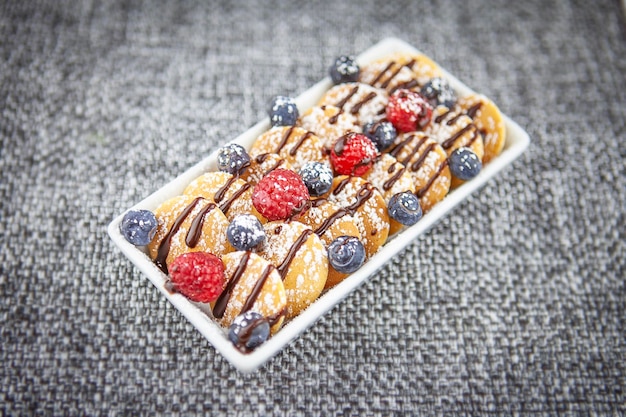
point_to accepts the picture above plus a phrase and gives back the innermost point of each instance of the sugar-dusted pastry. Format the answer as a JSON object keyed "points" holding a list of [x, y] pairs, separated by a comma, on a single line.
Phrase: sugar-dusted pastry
{"points": [[329, 123], [399, 71], [233, 195], [390, 177], [427, 162], [366, 204], [488, 120], [188, 224], [252, 284], [365, 102], [263, 164], [330, 221], [295, 144], [454, 130], [301, 260]]}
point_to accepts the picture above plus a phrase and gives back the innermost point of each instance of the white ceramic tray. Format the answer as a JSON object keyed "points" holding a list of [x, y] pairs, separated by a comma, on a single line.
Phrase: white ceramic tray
{"points": [[517, 141]]}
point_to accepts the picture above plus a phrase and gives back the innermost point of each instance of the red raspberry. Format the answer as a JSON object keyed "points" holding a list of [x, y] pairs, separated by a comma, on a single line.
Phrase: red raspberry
{"points": [[280, 195], [198, 276], [408, 111], [353, 154]]}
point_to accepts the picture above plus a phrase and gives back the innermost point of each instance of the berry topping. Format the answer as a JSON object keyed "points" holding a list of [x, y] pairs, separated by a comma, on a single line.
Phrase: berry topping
{"points": [[139, 227], [280, 195], [344, 70], [245, 232], [408, 110], [283, 111], [233, 159], [249, 330], [198, 276], [464, 164], [353, 154], [317, 177], [381, 133], [405, 208], [346, 254], [438, 92]]}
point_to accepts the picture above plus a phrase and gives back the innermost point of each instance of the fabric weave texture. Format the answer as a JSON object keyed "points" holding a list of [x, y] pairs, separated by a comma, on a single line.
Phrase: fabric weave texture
{"points": [[514, 304]]}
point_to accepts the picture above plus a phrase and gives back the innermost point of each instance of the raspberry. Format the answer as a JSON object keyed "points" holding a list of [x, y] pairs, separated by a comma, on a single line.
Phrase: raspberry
{"points": [[280, 195], [198, 276], [408, 111], [353, 154]]}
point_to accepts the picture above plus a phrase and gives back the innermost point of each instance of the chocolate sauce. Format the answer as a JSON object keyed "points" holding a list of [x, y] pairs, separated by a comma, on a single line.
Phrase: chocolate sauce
{"points": [[301, 140], [355, 109], [391, 77], [284, 266], [343, 101], [380, 75], [342, 184], [284, 140], [195, 231], [328, 222], [333, 119], [415, 166], [221, 192], [225, 205], [262, 158], [471, 112], [340, 144], [222, 301], [258, 287], [450, 141], [394, 178], [420, 193], [164, 246]]}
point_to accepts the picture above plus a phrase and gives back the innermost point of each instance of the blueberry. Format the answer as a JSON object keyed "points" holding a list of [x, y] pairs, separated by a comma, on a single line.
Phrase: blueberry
{"points": [[464, 164], [344, 70], [233, 159], [317, 177], [283, 111], [438, 92], [249, 330], [381, 133], [346, 254], [139, 227], [405, 208], [245, 232]]}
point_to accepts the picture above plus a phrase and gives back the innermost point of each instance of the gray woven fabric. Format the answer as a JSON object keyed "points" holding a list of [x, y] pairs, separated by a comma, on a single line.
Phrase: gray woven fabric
{"points": [[514, 304]]}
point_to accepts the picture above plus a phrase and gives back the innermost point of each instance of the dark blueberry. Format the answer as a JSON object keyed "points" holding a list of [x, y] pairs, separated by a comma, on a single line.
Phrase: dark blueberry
{"points": [[464, 164], [317, 177], [139, 227], [344, 70], [346, 254], [381, 133], [283, 111], [249, 330], [233, 159], [245, 232], [438, 92], [405, 208]]}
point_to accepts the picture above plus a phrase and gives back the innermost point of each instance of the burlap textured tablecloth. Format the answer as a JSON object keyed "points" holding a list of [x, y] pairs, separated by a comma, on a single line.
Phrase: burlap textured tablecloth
{"points": [[513, 304]]}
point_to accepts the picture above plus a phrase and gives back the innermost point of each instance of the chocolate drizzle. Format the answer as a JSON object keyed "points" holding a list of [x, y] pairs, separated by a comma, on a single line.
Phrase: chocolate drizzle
{"points": [[258, 287], [448, 143], [415, 166], [421, 192], [284, 266], [222, 301], [164, 246], [225, 205], [364, 194], [195, 231]]}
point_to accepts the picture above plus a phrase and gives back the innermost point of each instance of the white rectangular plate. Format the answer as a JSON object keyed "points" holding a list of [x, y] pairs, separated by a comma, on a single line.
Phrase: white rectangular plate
{"points": [[517, 141]]}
